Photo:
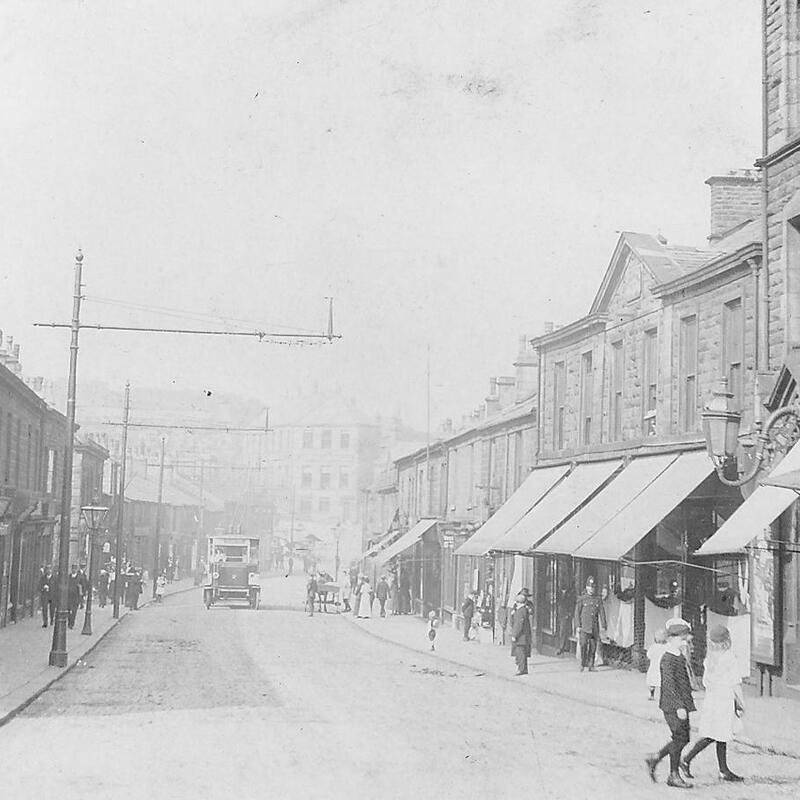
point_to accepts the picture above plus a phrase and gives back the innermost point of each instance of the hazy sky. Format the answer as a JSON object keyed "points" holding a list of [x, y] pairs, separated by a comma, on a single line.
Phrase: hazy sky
{"points": [[454, 173]]}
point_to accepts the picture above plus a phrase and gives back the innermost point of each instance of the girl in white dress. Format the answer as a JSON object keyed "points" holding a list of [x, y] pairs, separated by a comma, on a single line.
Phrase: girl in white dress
{"points": [[720, 717], [365, 601]]}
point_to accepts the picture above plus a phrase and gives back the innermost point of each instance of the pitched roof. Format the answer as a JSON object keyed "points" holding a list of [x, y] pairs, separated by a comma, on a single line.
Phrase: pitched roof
{"points": [[665, 262]]}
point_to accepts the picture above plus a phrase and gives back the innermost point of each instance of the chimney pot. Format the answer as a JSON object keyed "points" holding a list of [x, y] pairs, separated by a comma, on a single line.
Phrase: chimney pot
{"points": [[735, 198], [548, 328]]}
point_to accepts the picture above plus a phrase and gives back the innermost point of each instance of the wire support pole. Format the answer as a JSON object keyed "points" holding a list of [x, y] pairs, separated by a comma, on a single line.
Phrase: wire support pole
{"points": [[157, 549], [58, 651], [121, 500]]}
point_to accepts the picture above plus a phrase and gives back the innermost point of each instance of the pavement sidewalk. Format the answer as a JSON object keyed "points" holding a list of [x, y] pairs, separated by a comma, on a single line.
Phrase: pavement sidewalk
{"points": [[772, 725], [25, 649]]}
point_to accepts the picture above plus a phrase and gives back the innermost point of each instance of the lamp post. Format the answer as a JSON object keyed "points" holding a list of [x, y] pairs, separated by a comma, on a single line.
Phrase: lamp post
{"points": [[721, 423], [58, 649], [94, 517], [337, 535]]}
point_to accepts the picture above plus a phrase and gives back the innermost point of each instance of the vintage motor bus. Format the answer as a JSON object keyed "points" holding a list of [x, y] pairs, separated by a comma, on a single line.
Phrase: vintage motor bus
{"points": [[232, 571]]}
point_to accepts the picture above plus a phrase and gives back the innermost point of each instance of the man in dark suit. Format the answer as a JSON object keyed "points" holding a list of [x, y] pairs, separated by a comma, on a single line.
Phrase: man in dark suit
{"points": [[521, 631], [676, 702], [468, 610], [47, 593], [73, 594], [589, 618]]}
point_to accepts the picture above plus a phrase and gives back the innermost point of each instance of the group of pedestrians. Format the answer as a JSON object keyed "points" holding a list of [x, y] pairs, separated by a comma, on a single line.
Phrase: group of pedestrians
{"points": [[77, 588], [131, 586]]}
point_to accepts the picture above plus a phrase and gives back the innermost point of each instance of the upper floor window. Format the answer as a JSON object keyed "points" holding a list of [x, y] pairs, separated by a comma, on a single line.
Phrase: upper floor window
{"points": [[650, 382], [559, 396], [324, 504], [305, 478], [324, 477], [519, 459], [306, 505], [733, 348], [587, 391], [326, 439], [308, 438], [344, 478], [688, 374], [617, 384], [344, 440]]}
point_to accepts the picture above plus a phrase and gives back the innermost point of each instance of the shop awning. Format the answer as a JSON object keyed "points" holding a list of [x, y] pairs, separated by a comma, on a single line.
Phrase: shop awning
{"points": [[606, 505], [648, 508], [557, 505], [763, 507], [530, 492], [405, 541]]}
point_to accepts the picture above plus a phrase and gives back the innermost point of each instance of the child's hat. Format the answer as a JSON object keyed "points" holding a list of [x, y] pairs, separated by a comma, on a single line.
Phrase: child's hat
{"points": [[719, 634], [677, 626]]}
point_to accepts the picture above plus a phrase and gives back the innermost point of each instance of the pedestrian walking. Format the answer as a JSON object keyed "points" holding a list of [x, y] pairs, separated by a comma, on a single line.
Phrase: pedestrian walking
{"points": [[161, 584], [589, 619], [382, 593], [73, 595], [521, 631], [346, 589], [136, 585], [102, 586], [676, 702], [433, 624], [84, 582], [311, 594], [47, 591], [394, 595], [468, 611], [565, 608], [365, 600], [723, 706], [654, 653]]}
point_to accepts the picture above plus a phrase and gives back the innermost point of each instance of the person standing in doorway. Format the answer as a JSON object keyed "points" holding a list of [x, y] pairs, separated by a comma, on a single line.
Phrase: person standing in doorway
{"points": [[85, 587], [311, 594], [468, 610], [521, 631], [589, 618], [102, 586], [565, 608], [676, 702]]}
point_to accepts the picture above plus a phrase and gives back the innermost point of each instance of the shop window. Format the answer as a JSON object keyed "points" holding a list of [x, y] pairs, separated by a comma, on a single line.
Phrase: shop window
{"points": [[617, 390], [587, 398], [733, 348]]}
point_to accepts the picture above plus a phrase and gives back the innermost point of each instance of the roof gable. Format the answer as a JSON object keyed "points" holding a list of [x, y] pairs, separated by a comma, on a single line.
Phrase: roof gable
{"points": [[641, 251]]}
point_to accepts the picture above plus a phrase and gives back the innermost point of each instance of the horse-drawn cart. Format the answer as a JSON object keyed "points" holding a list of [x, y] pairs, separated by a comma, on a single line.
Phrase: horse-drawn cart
{"points": [[327, 592]]}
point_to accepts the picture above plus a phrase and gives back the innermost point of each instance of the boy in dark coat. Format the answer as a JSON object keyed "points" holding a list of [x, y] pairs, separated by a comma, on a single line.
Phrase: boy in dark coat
{"points": [[74, 585], [676, 702], [47, 592], [521, 632]]}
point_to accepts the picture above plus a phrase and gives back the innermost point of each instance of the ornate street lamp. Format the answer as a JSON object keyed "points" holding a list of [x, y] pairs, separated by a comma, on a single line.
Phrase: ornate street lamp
{"points": [[95, 518], [721, 425]]}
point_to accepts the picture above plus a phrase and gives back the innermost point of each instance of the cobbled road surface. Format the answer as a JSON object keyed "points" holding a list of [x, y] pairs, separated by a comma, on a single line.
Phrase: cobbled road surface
{"points": [[180, 702]]}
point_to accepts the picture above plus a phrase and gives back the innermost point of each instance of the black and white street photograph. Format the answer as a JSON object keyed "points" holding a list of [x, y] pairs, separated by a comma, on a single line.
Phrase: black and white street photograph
{"points": [[399, 400]]}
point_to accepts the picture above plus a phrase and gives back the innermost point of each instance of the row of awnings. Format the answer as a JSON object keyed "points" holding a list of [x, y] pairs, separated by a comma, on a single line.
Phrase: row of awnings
{"points": [[601, 510], [596, 510], [384, 552]]}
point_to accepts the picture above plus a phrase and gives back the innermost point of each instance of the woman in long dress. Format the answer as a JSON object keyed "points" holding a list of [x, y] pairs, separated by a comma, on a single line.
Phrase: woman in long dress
{"points": [[720, 717], [365, 600]]}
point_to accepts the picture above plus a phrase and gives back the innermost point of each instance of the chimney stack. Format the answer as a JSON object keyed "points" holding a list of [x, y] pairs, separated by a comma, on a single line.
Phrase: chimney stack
{"points": [[527, 367], [735, 198], [506, 390], [492, 404], [548, 328]]}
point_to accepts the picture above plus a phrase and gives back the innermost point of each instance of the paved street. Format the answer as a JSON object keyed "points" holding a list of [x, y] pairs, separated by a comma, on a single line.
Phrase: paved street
{"points": [[234, 703]]}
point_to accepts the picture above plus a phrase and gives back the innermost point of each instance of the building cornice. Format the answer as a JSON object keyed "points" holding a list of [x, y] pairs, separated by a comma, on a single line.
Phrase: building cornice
{"points": [[788, 149], [724, 266], [574, 331]]}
